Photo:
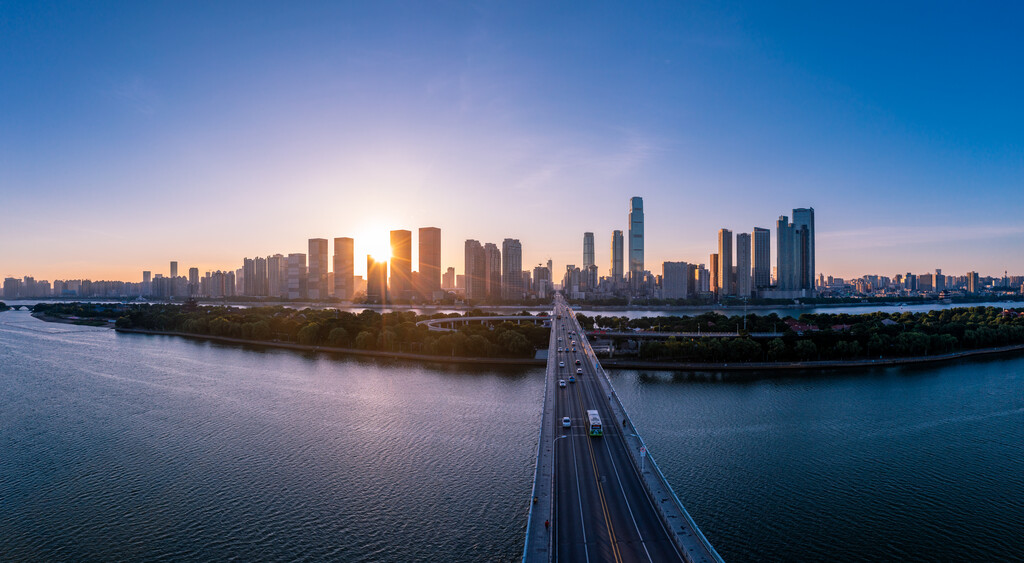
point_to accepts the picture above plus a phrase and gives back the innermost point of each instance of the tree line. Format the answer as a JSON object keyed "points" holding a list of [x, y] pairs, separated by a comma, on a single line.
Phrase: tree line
{"points": [[823, 336], [368, 330]]}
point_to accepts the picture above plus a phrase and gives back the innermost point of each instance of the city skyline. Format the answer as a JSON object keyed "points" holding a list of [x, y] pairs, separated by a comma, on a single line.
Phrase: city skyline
{"points": [[134, 157]]}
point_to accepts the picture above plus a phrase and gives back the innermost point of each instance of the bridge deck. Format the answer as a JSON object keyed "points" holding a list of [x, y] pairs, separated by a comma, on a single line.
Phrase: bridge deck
{"points": [[600, 505]]}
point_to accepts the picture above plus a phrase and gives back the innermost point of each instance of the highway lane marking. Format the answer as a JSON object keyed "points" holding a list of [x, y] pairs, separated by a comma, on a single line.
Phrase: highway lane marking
{"points": [[600, 488]]}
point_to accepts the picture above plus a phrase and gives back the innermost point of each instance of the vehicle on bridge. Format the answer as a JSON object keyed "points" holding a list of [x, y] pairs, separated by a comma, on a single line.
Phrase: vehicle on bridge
{"points": [[561, 383], [594, 423], [561, 364], [577, 362], [572, 379], [566, 423]]}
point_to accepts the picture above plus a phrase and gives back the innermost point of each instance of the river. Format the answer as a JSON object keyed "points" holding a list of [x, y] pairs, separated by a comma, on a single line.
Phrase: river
{"points": [[132, 447]]}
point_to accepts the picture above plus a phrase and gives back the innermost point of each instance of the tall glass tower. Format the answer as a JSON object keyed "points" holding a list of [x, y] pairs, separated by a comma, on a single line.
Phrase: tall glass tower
{"points": [[636, 237]]}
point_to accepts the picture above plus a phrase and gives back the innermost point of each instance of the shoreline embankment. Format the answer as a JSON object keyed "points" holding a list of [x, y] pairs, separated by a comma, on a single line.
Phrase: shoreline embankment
{"points": [[823, 365]]}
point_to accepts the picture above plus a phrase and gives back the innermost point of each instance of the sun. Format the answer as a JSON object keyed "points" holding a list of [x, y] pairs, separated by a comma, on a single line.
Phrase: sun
{"points": [[373, 243]]}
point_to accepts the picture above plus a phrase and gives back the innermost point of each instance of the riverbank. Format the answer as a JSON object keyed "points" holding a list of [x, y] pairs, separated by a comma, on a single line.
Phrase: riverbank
{"points": [[345, 351], [97, 322], [825, 365], [810, 365]]}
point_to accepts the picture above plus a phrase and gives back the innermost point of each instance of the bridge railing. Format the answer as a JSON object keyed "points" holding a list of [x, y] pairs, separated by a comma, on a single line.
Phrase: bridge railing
{"points": [[635, 456]]}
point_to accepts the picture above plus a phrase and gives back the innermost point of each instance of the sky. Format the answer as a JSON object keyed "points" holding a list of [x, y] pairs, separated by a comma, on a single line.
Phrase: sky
{"points": [[136, 133]]}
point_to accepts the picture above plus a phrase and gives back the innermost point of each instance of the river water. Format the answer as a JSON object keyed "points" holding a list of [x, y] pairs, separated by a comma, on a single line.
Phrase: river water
{"points": [[130, 447]]}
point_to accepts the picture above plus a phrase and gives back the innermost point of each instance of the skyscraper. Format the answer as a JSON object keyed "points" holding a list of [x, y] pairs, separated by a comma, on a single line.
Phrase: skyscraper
{"points": [[401, 264], [762, 258], [492, 271], [588, 250], [193, 281], [725, 279], [174, 268], [316, 286], [430, 261], [448, 279], [511, 269], [795, 251], [743, 265], [475, 276], [636, 238], [376, 280], [344, 268], [297, 276], [617, 264], [803, 221]]}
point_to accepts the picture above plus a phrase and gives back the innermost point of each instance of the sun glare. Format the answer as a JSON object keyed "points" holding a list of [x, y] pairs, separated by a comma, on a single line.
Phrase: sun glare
{"points": [[375, 244]]}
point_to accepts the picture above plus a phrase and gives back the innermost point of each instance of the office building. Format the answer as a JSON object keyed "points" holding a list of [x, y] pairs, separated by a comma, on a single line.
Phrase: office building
{"points": [[344, 268], [588, 250], [297, 276], [492, 271], [803, 222], [617, 264], [762, 258], [475, 272], [674, 280], [448, 279], [376, 280], [430, 262], [725, 278], [795, 252], [636, 239], [512, 270], [973, 285], [743, 255], [400, 286], [174, 268]]}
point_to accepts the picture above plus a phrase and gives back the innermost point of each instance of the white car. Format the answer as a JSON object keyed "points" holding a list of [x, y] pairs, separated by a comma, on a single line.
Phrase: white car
{"points": [[579, 371], [561, 383], [561, 364], [566, 423]]}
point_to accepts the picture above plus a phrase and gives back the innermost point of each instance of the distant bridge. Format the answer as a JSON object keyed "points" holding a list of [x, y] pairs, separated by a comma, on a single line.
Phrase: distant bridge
{"points": [[698, 334], [448, 324]]}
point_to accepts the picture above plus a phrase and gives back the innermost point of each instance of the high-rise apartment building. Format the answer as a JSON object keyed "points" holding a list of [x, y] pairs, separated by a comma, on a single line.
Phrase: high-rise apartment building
{"points": [[475, 272], [492, 271], [193, 282], [512, 270], [448, 279], [174, 268], [277, 276], [147, 282], [316, 285], [376, 280], [297, 276], [762, 258], [617, 264], [400, 286], [725, 278], [743, 255], [588, 250], [713, 273], [248, 276], [430, 262], [674, 280], [973, 285], [636, 238], [344, 268]]}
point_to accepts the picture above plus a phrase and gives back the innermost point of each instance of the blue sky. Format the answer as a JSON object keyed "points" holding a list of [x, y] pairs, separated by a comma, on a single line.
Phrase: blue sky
{"points": [[132, 134]]}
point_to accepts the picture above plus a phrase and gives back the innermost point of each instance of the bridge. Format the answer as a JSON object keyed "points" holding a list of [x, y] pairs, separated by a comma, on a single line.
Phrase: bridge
{"points": [[451, 322], [699, 334], [600, 498]]}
